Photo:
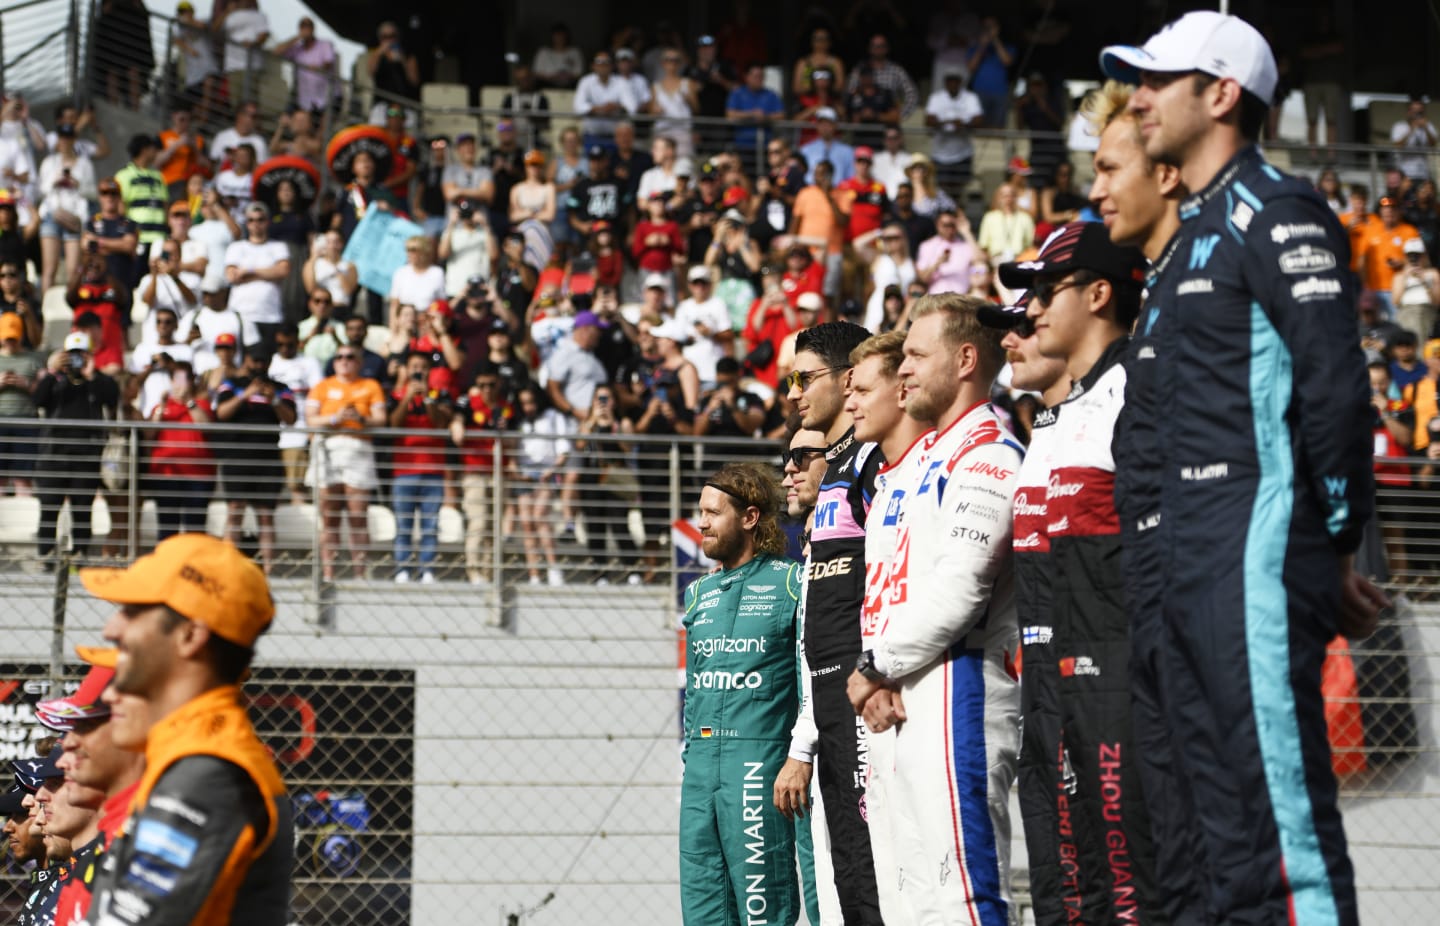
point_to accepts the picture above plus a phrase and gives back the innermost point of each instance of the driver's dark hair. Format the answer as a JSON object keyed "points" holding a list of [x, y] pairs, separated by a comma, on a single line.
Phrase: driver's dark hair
{"points": [[230, 660], [832, 342]]}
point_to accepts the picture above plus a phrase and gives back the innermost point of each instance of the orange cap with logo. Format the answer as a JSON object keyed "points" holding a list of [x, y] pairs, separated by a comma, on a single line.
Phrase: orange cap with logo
{"points": [[203, 578]]}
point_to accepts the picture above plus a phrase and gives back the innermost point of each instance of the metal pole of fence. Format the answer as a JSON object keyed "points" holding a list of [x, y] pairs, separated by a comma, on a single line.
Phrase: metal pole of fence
{"points": [[132, 491], [57, 627], [665, 545], [497, 535]]}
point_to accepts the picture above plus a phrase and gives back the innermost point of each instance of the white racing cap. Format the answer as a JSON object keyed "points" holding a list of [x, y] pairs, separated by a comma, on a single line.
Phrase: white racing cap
{"points": [[1215, 43]]}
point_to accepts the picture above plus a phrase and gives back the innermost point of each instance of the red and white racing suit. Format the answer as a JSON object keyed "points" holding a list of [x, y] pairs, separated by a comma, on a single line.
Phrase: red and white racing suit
{"points": [[882, 537], [947, 633]]}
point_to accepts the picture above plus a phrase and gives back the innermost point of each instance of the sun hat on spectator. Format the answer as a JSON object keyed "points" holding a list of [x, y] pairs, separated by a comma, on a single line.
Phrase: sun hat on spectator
{"points": [[62, 713], [734, 215], [1214, 43], [734, 196], [440, 307], [825, 112], [11, 327], [810, 302], [184, 6], [463, 137], [698, 273], [534, 158], [79, 340], [624, 53], [65, 130], [226, 340], [656, 281], [504, 125], [1018, 166], [1414, 246], [203, 578], [864, 153], [671, 330], [597, 152], [498, 325], [708, 171], [588, 319], [684, 167]]}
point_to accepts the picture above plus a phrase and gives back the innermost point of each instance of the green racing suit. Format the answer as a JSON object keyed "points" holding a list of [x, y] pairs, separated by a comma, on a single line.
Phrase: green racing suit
{"points": [[737, 851]]}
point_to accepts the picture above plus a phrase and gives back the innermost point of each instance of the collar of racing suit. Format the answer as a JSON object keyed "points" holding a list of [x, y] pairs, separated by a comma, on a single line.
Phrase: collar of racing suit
{"points": [[1111, 355], [1245, 157]]}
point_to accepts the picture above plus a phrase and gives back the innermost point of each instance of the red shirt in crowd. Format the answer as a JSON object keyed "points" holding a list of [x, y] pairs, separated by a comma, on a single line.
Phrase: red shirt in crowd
{"points": [[867, 208], [657, 258], [182, 453], [110, 352], [767, 323], [479, 450], [809, 280], [421, 452]]}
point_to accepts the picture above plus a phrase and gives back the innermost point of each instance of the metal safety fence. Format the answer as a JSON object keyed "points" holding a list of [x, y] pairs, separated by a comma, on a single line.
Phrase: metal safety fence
{"points": [[501, 746]]}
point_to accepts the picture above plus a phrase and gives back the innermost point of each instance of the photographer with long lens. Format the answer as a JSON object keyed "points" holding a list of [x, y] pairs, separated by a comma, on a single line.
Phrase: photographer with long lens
{"points": [[72, 389]]}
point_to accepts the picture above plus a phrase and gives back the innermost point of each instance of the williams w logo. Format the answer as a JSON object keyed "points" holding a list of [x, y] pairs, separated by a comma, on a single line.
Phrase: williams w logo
{"points": [[1201, 249]]}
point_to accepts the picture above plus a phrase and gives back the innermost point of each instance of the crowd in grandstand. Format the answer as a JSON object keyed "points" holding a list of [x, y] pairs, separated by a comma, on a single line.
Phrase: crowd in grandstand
{"points": [[620, 273]]}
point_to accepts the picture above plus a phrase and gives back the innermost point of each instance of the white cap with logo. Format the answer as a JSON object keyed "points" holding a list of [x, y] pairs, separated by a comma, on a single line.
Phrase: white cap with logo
{"points": [[1217, 44]]}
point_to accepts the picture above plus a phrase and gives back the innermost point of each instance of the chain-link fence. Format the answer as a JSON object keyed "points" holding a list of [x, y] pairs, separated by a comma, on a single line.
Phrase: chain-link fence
{"points": [[504, 749]]}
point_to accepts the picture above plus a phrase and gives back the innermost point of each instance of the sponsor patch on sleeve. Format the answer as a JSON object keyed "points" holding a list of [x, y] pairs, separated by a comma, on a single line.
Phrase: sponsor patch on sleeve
{"points": [[165, 842]]}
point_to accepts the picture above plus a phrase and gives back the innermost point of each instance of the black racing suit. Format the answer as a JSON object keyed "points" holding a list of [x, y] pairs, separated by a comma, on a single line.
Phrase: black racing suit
{"points": [[1106, 819], [834, 595], [1264, 449], [44, 884], [1041, 786], [1180, 865]]}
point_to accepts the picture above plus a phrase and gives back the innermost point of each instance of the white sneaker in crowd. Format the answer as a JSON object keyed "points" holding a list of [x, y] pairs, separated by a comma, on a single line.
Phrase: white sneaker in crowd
{"points": [[402, 577], [554, 576], [427, 578]]}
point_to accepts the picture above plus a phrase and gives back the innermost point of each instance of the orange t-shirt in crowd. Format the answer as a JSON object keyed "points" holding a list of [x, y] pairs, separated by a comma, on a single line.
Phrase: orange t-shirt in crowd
{"points": [[1357, 227], [333, 396], [816, 219], [1380, 245], [186, 162]]}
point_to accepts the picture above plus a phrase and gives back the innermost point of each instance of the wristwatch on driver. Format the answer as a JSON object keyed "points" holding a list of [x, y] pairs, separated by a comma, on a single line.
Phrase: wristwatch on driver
{"points": [[865, 665]]}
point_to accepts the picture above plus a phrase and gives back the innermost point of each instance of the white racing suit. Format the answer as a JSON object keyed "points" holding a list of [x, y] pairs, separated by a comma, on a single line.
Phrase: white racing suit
{"points": [[948, 635]]}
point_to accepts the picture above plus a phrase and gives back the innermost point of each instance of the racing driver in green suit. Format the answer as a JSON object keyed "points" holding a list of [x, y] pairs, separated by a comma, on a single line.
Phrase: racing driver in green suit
{"points": [[737, 851]]}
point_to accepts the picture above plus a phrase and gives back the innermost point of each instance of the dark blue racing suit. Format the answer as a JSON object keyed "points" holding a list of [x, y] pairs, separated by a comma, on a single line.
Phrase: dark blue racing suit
{"points": [[1257, 426]]}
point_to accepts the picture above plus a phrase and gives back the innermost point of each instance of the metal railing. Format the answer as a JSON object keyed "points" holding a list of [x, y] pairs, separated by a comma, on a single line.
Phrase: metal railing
{"points": [[601, 513]]}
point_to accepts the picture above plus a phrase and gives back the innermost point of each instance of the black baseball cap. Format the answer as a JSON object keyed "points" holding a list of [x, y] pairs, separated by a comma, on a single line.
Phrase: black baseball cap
{"points": [[1004, 317], [595, 152], [10, 801], [1077, 246], [30, 774]]}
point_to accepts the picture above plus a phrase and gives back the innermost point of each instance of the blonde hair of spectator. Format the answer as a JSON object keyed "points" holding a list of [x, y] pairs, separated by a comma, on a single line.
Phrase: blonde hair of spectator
{"points": [[889, 347], [962, 326], [426, 246], [755, 484], [1107, 104]]}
